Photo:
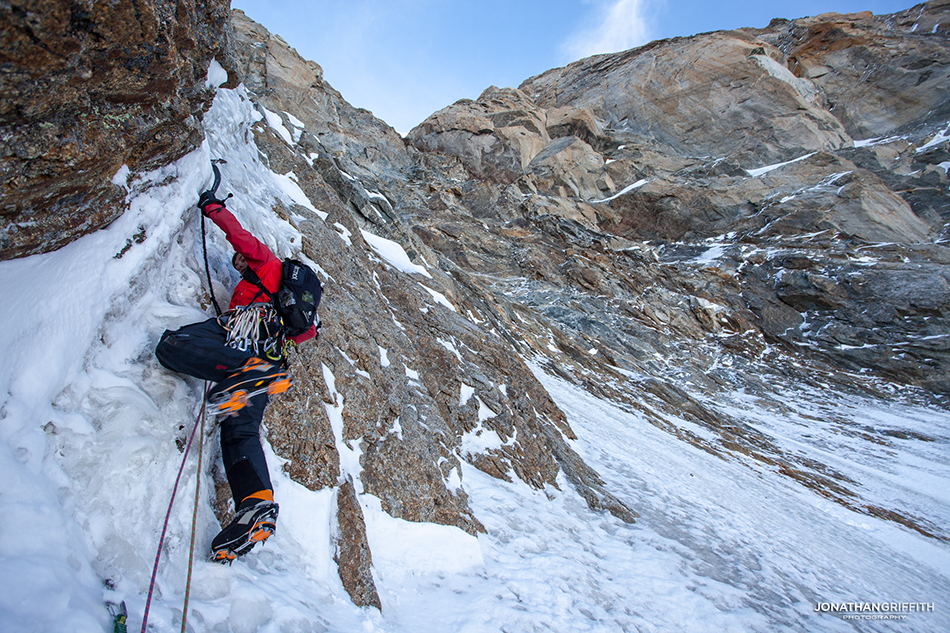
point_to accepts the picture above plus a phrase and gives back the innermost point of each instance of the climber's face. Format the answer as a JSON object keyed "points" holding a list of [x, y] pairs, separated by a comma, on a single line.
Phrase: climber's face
{"points": [[240, 264]]}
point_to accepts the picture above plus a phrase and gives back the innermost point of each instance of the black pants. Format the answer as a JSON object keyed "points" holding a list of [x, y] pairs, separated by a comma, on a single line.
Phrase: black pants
{"points": [[199, 350]]}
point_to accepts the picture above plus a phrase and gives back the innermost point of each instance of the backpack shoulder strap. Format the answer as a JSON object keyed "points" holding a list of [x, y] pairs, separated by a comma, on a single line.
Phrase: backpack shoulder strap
{"points": [[252, 277]]}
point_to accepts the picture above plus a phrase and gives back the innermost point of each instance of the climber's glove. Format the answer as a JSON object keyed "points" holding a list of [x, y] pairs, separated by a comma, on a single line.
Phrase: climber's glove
{"points": [[208, 199]]}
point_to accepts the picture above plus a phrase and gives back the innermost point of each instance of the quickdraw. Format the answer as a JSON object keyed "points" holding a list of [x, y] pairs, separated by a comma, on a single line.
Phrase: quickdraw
{"points": [[256, 329]]}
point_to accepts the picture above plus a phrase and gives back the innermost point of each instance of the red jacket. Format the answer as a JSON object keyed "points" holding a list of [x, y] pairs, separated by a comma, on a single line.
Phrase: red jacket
{"points": [[259, 258]]}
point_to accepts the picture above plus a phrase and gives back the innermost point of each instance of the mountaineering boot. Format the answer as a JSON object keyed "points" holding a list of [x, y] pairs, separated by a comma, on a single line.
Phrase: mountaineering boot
{"points": [[253, 378], [254, 522]]}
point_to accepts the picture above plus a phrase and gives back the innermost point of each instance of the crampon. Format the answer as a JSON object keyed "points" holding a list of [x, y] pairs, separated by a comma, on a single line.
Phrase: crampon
{"points": [[253, 379], [250, 526]]}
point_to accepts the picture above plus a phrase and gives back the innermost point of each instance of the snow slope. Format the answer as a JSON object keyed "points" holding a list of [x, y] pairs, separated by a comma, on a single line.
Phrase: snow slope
{"points": [[88, 457]]}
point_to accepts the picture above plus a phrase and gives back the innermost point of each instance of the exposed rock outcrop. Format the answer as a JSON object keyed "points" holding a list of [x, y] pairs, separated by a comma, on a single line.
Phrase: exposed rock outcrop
{"points": [[721, 94], [724, 137], [874, 78], [711, 198], [86, 89], [353, 554]]}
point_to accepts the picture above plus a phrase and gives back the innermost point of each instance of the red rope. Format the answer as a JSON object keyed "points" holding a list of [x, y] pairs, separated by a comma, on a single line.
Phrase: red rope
{"points": [[161, 541]]}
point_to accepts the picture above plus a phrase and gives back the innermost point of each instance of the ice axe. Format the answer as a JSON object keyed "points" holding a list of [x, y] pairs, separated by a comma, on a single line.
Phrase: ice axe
{"points": [[206, 197], [210, 195]]}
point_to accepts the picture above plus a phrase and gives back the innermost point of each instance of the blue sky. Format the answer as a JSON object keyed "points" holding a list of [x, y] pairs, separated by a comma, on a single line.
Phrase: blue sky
{"points": [[405, 59]]}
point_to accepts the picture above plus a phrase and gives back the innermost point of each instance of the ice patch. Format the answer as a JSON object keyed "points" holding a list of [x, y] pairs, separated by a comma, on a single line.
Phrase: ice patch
{"points": [[397, 429], [484, 411], [710, 255], [294, 120], [344, 233], [867, 142], [871, 142], [378, 196], [288, 184], [939, 137], [349, 454], [481, 440], [439, 298], [453, 481], [755, 173], [277, 124], [298, 126], [623, 191], [394, 254], [217, 75], [465, 394], [121, 178], [451, 347]]}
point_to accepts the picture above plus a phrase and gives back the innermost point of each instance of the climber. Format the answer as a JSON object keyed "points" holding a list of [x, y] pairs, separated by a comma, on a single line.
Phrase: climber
{"points": [[243, 351]]}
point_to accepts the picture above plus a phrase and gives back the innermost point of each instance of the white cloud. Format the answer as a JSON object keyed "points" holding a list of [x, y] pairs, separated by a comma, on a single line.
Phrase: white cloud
{"points": [[621, 25]]}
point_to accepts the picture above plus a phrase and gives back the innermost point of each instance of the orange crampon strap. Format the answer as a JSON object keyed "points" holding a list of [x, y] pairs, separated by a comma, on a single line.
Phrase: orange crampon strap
{"points": [[279, 386], [237, 401], [262, 531], [224, 556], [266, 495], [252, 364]]}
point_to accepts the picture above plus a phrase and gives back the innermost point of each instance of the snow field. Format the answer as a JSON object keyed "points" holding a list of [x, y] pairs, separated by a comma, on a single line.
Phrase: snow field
{"points": [[781, 546]]}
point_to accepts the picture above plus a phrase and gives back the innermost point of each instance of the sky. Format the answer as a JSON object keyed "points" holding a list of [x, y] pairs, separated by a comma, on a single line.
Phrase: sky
{"points": [[406, 59]]}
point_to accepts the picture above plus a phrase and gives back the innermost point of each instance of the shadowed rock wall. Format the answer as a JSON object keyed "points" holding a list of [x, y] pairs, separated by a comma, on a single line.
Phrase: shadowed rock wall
{"points": [[85, 88]]}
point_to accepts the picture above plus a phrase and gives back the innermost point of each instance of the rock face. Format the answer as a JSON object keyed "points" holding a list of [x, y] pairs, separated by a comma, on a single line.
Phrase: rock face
{"points": [[85, 88], [870, 79], [733, 203], [722, 94], [328, 125], [743, 138], [353, 555]]}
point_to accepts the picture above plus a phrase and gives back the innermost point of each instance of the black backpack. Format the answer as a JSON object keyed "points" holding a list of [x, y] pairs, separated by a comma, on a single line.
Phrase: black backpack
{"points": [[297, 297]]}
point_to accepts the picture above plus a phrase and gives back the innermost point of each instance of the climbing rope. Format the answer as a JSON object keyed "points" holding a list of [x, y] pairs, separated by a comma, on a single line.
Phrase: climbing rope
{"points": [[194, 514], [161, 541]]}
